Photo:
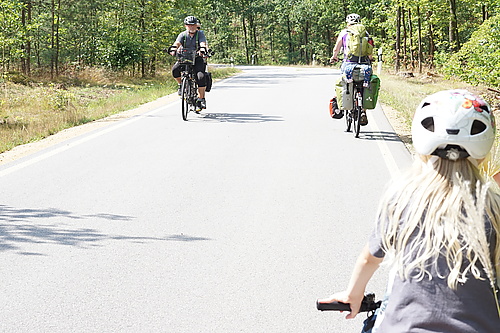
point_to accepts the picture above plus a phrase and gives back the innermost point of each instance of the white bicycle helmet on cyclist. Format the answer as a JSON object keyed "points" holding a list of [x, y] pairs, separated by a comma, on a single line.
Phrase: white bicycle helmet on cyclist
{"points": [[190, 20], [453, 124], [353, 19]]}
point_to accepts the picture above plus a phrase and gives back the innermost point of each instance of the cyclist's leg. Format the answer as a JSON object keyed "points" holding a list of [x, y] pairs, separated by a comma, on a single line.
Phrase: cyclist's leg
{"points": [[199, 68], [347, 68], [367, 75], [176, 72]]}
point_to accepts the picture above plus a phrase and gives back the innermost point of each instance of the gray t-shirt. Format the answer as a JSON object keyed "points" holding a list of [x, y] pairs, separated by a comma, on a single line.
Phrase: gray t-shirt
{"points": [[431, 306], [189, 42]]}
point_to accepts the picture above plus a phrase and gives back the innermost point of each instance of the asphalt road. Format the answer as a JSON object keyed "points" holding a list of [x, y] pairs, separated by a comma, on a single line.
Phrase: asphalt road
{"points": [[234, 221]]}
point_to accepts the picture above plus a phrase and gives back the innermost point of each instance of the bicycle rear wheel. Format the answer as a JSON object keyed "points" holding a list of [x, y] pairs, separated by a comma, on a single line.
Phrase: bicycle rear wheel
{"points": [[357, 115], [185, 96], [348, 119]]}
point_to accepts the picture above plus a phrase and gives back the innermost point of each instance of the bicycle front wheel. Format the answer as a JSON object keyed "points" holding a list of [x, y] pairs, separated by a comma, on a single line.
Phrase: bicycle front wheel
{"points": [[185, 96]]}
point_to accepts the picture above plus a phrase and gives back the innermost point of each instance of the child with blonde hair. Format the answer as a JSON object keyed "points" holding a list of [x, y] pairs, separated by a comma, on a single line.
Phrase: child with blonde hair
{"points": [[439, 227]]}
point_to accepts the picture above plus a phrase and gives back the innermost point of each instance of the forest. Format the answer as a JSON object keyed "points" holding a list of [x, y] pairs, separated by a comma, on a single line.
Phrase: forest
{"points": [[61, 37]]}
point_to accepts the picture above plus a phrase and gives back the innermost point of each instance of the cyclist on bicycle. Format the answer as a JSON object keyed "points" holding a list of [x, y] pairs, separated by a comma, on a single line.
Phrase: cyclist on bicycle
{"points": [[439, 226], [349, 60], [193, 39]]}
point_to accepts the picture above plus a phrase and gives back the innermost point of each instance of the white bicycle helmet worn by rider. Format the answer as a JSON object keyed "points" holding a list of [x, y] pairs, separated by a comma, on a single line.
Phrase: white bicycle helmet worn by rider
{"points": [[453, 124], [190, 20], [353, 19]]}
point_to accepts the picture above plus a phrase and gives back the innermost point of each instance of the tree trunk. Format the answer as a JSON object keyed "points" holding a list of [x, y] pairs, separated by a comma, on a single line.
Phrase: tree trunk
{"points": [[410, 28], [432, 45], [142, 29], [307, 56], [28, 41], [453, 31], [246, 40], [398, 39], [484, 12], [253, 29], [58, 44], [52, 38], [23, 46], [290, 43], [420, 55], [405, 48]]}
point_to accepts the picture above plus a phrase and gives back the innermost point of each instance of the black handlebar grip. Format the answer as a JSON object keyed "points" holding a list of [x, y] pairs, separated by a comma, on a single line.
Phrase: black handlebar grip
{"points": [[332, 306], [368, 304]]}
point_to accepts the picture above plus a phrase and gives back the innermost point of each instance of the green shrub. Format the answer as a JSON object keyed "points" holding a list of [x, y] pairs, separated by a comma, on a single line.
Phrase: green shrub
{"points": [[478, 61]]}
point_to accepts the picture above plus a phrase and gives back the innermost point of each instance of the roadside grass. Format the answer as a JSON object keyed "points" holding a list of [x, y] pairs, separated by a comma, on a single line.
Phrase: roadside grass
{"points": [[403, 95], [30, 111]]}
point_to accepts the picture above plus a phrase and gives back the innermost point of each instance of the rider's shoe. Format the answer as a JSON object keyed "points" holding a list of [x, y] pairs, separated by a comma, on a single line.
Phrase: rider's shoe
{"points": [[179, 89], [364, 120], [200, 105]]}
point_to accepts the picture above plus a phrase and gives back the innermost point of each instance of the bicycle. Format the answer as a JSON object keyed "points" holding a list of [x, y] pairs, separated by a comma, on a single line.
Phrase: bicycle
{"points": [[189, 87], [353, 116], [367, 305]]}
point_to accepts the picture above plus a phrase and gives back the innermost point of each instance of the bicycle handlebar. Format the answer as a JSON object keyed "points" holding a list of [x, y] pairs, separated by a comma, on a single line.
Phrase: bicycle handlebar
{"points": [[368, 304], [202, 49]]}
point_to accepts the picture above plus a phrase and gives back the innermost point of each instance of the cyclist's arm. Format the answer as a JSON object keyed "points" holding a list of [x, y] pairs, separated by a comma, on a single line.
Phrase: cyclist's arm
{"points": [[175, 46], [203, 40], [336, 49], [366, 265]]}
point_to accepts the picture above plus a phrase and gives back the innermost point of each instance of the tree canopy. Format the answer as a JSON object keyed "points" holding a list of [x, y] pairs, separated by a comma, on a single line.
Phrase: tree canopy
{"points": [[60, 36]]}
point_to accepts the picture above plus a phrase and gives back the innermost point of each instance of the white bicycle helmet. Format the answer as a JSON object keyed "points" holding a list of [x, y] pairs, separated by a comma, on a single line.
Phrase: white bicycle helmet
{"points": [[190, 20], [353, 19], [453, 124]]}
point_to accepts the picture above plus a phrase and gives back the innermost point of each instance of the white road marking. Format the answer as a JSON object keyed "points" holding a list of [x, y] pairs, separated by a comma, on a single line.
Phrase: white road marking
{"points": [[389, 160], [84, 139]]}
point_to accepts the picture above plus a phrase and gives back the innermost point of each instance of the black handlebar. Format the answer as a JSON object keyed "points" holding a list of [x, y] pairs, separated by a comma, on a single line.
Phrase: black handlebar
{"points": [[203, 50], [368, 304]]}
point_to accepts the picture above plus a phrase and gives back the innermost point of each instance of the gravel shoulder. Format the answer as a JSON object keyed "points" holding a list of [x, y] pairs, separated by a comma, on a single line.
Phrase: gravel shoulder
{"points": [[399, 126]]}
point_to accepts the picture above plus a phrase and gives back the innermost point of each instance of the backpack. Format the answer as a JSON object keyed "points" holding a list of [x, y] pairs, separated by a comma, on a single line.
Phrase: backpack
{"points": [[359, 43]]}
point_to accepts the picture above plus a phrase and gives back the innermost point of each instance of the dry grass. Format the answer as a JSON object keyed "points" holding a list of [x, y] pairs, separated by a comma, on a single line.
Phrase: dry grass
{"points": [[30, 111], [401, 95]]}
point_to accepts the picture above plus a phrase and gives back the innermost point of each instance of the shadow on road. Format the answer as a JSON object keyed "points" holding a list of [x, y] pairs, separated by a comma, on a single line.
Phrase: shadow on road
{"points": [[386, 136], [238, 117], [21, 226]]}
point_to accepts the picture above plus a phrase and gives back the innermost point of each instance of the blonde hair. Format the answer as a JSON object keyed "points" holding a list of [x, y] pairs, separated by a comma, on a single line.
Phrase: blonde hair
{"points": [[440, 209], [490, 167]]}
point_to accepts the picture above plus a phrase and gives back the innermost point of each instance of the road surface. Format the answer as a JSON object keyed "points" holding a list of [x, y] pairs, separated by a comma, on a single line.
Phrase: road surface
{"points": [[234, 221]]}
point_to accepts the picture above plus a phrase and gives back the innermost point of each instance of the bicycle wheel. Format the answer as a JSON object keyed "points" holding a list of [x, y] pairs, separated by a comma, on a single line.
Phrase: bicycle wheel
{"points": [[185, 96], [348, 119], [194, 95], [357, 115]]}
